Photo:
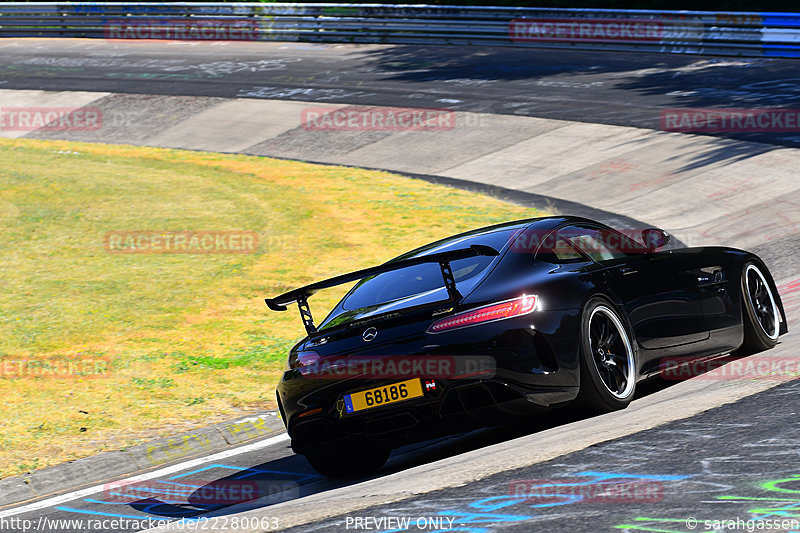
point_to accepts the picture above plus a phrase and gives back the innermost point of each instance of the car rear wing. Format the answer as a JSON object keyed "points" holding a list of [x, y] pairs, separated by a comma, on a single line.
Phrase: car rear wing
{"points": [[301, 295]]}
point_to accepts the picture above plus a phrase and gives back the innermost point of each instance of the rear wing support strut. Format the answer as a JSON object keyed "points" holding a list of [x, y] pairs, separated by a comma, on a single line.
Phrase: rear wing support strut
{"points": [[449, 281], [300, 296], [305, 314]]}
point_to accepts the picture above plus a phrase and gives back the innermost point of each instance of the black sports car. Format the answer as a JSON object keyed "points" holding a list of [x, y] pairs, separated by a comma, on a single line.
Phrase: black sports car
{"points": [[506, 320]]}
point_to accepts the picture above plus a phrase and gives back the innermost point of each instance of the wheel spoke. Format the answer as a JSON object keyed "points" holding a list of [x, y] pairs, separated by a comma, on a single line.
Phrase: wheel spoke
{"points": [[761, 291], [594, 333], [620, 360], [611, 379], [613, 336], [617, 345], [768, 321], [614, 369], [621, 368], [753, 283], [603, 330], [620, 378]]}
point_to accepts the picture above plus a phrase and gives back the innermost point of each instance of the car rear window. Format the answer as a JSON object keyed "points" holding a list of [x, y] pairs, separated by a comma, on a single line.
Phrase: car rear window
{"points": [[425, 281]]}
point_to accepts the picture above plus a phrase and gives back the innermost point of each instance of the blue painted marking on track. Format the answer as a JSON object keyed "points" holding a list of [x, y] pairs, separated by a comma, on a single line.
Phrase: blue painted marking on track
{"points": [[100, 513], [178, 485], [483, 518], [493, 503], [609, 475], [170, 492], [251, 472], [134, 500]]}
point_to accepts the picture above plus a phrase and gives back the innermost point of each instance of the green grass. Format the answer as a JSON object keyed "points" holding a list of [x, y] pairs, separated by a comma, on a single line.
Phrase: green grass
{"points": [[187, 337]]}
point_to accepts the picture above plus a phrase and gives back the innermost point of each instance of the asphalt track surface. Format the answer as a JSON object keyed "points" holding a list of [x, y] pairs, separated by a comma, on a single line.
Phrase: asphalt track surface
{"points": [[274, 470], [702, 467], [734, 462], [626, 89]]}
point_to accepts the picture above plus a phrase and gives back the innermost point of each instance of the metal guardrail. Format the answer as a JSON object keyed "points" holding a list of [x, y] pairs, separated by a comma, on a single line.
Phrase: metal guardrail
{"points": [[692, 32]]}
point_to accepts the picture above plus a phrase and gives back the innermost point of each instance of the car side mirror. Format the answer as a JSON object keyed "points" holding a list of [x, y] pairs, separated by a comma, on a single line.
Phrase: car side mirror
{"points": [[655, 238]]}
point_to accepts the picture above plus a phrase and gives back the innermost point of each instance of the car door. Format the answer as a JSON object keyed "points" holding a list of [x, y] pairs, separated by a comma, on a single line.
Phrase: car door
{"points": [[658, 290]]}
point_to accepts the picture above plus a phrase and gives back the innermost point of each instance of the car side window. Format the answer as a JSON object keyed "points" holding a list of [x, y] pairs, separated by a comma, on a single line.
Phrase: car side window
{"points": [[598, 243], [555, 249]]}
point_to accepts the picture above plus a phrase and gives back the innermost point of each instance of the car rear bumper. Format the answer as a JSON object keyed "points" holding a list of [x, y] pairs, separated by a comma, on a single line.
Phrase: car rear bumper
{"points": [[533, 365], [453, 407]]}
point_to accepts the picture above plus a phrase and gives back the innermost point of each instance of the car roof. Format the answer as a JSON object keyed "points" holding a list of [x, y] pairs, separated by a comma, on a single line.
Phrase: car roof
{"points": [[542, 224]]}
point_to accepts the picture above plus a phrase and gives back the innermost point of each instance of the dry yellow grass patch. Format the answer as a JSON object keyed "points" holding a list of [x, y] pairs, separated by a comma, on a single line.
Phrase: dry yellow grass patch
{"points": [[187, 337]]}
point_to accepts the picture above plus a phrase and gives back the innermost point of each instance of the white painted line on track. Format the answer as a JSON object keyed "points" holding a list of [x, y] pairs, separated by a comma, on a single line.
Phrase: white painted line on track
{"points": [[56, 500]]}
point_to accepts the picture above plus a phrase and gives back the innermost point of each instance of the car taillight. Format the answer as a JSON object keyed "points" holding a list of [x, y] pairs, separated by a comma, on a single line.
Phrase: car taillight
{"points": [[304, 358], [511, 308]]}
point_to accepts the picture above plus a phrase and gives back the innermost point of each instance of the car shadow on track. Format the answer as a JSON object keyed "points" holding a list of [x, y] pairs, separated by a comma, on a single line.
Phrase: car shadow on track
{"points": [[291, 477]]}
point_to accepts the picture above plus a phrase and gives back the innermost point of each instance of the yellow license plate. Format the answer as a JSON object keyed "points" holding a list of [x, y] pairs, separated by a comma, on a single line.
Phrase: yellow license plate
{"points": [[394, 393]]}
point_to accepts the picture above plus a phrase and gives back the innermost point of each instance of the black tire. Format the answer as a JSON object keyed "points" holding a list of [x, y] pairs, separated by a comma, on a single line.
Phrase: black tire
{"points": [[760, 313], [607, 358], [347, 464]]}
